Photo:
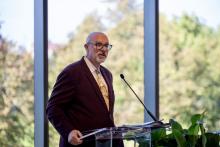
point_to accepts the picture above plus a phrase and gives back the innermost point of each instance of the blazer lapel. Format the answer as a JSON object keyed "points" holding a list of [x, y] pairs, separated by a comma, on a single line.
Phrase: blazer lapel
{"points": [[93, 82]]}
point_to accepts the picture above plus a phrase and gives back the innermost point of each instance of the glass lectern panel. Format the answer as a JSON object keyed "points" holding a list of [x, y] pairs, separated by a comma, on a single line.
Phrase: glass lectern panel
{"points": [[130, 135]]}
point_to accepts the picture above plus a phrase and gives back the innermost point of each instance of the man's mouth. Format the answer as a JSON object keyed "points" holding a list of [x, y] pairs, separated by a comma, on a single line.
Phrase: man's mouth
{"points": [[102, 55]]}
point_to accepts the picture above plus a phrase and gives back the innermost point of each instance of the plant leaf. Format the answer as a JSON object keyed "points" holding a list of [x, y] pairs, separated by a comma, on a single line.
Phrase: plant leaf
{"points": [[176, 125], [197, 117], [158, 134], [180, 139], [193, 129], [204, 140], [192, 140]]}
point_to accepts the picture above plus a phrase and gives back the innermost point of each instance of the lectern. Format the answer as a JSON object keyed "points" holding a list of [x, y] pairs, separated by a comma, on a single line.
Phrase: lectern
{"points": [[105, 137]]}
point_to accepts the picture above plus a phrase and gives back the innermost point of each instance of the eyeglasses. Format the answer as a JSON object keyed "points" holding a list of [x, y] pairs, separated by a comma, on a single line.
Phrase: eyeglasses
{"points": [[99, 45]]}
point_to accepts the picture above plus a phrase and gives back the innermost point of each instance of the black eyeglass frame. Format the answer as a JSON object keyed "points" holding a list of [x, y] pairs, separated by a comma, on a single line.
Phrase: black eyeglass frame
{"points": [[100, 45]]}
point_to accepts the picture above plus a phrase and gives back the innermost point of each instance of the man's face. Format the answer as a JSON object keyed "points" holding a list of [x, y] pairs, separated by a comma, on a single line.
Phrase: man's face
{"points": [[97, 49]]}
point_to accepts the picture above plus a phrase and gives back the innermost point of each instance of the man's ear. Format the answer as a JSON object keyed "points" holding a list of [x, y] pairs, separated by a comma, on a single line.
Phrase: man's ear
{"points": [[86, 46]]}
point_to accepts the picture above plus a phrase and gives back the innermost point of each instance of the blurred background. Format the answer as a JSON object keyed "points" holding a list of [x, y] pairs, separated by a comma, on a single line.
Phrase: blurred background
{"points": [[189, 51]]}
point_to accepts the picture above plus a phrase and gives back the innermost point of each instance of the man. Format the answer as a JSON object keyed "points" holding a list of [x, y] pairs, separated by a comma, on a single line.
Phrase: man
{"points": [[83, 98]]}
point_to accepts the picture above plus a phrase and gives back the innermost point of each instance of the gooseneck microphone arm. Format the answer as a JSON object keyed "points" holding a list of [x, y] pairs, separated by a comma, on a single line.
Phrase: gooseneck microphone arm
{"points": [[151, 115]]}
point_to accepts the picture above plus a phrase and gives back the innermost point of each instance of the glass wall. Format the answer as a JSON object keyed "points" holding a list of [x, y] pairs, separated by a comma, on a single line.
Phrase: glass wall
{"points": [[189, 66], [16, 73], [69, 24]]}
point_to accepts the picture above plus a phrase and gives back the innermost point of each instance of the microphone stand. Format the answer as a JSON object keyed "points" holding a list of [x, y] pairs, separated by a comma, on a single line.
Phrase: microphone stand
{"points": [[151, 115]]}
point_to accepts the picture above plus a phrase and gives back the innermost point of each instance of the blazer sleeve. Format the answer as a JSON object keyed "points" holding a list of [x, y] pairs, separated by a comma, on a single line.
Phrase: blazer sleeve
{"points": [[61, 96]]}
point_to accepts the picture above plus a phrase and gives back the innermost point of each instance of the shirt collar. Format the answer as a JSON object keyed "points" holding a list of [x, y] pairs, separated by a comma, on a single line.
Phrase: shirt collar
{"points": [[92, 68]]}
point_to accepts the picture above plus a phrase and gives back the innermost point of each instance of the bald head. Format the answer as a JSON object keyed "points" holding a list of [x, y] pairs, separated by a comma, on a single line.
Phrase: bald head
{"points": [[92, 36], [96, 46]]}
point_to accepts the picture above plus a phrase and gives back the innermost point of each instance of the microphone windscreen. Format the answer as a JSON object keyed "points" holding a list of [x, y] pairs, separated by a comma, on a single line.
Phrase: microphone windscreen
{"points": [[122, 76]]}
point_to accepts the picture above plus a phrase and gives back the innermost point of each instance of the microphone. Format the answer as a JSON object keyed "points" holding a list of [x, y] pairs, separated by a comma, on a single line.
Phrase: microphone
{"points": [[151, 115]]}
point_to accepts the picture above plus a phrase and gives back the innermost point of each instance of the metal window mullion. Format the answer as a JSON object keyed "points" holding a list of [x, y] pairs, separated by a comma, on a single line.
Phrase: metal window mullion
{"points": [[151, 56], [40, 73]]}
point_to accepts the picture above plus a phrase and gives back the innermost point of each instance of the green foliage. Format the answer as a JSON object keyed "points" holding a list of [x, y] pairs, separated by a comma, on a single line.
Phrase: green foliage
{"points": [[16, 96], [188, 75], [194, 136]]}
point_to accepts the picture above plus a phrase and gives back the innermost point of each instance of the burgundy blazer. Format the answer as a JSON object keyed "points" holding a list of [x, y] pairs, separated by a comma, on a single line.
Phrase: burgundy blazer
{"points": [[76, 101]]}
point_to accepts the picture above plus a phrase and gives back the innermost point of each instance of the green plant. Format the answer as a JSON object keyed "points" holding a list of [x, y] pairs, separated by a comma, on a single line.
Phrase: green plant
{"points": [[176, 136]]}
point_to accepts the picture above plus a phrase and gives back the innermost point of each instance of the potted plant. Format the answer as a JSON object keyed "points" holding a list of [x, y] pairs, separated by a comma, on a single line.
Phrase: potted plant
{"points": [[176, 136]]}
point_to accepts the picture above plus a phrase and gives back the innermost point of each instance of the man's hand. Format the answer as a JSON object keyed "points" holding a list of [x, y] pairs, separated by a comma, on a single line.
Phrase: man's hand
{"points": [[74, 137]]}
